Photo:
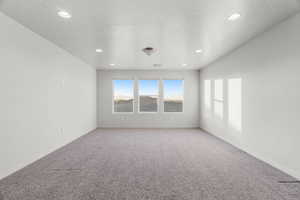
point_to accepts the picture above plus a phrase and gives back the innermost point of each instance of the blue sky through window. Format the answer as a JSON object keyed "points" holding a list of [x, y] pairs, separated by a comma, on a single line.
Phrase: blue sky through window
{"points": [[173, 89], [148, 87], [123, 88]]}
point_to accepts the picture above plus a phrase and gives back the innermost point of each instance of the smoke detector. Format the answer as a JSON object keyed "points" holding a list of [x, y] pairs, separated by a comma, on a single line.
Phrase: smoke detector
{"points": [[148, 50]]}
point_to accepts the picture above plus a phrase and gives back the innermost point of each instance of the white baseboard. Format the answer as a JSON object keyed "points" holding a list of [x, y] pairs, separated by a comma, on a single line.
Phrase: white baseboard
{"points": [[263, 158], [12, 171], [148, 126]]}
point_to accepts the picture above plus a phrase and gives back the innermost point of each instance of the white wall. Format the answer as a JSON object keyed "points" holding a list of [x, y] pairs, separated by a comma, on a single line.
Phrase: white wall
{"points": [[269, 67], [47, 97], [190, 117]]}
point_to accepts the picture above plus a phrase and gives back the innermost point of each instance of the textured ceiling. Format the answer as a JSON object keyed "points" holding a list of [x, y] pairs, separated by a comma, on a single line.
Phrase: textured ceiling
{"points": [[175, 28]]}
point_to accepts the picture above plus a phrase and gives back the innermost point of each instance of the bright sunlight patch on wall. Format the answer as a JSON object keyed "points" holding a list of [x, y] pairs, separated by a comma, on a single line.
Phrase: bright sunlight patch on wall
{"points": [[235, 103], [207, 94], [218, 99]]}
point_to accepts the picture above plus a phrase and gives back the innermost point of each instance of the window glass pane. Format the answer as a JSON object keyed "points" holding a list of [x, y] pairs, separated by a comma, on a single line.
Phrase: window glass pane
{"points": [[235, 103], [219, 90], [123, 95], [173, 95], [148, 95], [218, 109], [207, 93]]}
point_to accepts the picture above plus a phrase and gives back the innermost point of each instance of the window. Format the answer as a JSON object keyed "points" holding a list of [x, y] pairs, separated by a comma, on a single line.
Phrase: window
{"points": [[173, 95], [148, 95], [207, 94], [123, 96], [218, 98], [235, 103]]}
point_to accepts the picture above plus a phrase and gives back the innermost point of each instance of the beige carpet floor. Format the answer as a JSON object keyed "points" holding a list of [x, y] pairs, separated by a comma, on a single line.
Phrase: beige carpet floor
{"points": [[149, 164]]}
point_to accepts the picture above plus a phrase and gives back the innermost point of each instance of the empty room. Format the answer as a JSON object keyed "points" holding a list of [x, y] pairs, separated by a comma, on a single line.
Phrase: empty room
{"points": [[150, 100]]}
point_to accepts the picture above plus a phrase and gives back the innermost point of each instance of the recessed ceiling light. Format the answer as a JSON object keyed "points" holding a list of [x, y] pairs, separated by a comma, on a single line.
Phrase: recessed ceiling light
{"points": [[99, 50], [64, 14], [199, 51], [112, 64], [184, 65], [234, 16]]}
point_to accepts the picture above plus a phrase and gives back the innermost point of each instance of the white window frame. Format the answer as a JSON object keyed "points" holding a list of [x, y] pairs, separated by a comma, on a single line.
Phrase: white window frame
{"points": [[158, 95], [163, 95], [113, 96]]}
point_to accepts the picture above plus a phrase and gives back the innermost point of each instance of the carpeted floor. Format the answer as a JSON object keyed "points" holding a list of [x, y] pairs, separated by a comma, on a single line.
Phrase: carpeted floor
{"points": [[149, 164]]}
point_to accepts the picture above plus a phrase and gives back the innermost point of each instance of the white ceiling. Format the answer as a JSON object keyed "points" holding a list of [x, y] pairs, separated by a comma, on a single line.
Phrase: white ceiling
{"points": [[122, 28]]}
